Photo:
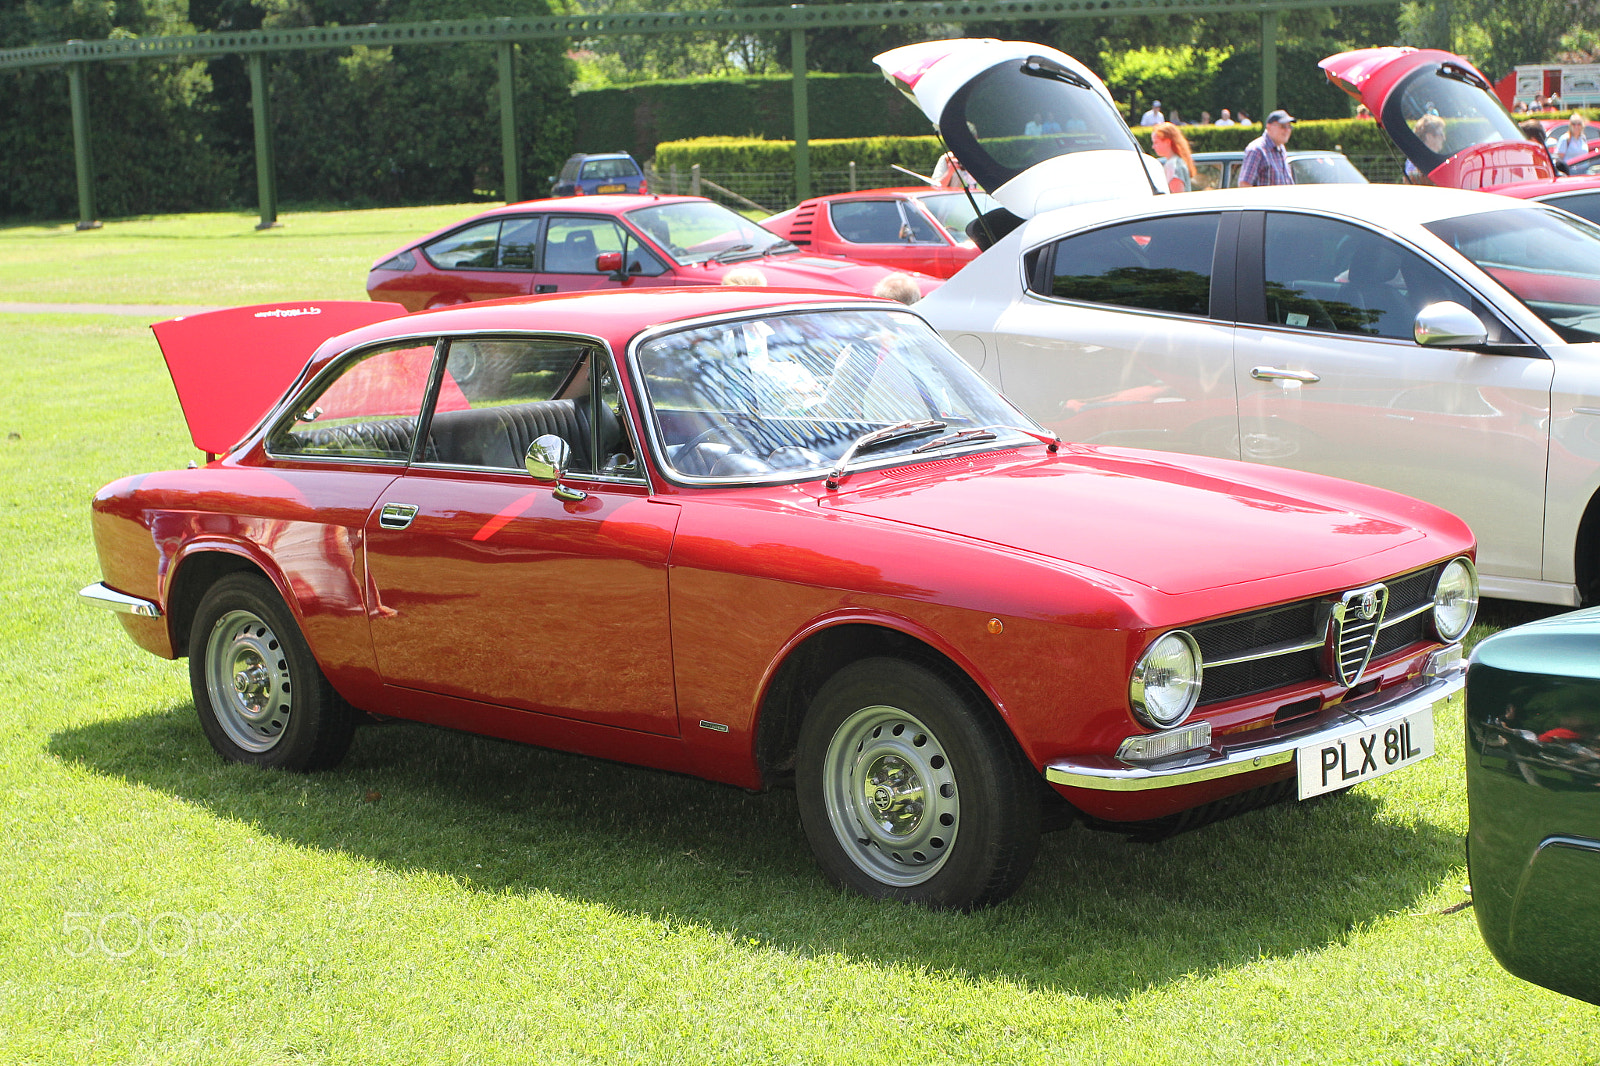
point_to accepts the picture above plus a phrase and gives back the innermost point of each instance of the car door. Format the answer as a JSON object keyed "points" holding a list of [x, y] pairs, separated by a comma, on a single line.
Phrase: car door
{"points": [[1115, 342], [1331, 380], [573, 245], [486, 260], [488, 586], [890, 232]]}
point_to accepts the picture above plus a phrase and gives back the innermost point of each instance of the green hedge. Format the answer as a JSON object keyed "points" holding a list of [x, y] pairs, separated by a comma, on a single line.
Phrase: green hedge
{"points": [[749, 155], [639, 117]]}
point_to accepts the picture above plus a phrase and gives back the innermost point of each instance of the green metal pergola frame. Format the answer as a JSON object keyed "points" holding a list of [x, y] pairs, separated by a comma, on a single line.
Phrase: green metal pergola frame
{"points": [[504, 33]]}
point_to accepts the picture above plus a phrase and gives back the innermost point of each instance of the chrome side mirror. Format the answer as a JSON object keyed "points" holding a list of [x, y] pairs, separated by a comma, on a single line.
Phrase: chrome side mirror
{"points": [[1448, 325], [547, 459]]}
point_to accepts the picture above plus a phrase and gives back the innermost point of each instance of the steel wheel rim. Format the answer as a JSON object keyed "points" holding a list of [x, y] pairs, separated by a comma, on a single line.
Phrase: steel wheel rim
{"points": [[891, 795], [247, 679]]}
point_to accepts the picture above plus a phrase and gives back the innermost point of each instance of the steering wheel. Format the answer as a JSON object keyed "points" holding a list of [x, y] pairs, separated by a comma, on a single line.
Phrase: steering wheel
{"points": [[730, 435]]}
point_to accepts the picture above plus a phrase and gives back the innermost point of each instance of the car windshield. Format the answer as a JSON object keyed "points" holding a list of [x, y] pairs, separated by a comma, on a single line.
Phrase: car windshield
{"points": [[694, 231], [786, 396], [1325, 170], [1549, 259], [953, 211]]}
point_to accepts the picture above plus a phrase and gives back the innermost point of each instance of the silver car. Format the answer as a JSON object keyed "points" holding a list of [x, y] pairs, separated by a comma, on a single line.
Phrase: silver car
{"points": [[1440, 343]]}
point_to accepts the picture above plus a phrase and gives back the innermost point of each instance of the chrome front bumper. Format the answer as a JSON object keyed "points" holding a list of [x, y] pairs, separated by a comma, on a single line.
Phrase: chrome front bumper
{"points": [[1113, 775], [112, 600]]}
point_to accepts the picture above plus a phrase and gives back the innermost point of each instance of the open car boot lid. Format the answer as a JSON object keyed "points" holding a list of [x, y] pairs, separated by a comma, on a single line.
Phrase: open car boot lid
{"points": [[1475, 143], [1034, 127], [229, 367]]}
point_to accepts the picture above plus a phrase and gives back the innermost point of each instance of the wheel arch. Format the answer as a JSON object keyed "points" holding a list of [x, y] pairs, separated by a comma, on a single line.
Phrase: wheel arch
{"points": [[1586, 553], [201, 567], [816, 655]]}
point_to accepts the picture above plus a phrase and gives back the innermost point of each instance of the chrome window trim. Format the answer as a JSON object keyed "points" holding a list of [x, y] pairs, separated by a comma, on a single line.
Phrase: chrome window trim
{"points": [[1062, 301], [671, 475], [441, 357], [284, 407]]}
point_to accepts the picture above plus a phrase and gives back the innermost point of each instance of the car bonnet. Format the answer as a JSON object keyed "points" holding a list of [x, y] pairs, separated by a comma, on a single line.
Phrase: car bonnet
{"points": [[1381, 78], [229, 367], [1178, 527], [982, 94]]}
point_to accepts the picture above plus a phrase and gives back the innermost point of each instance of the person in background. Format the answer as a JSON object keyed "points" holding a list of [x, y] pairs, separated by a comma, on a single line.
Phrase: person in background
{"points": [[1175, 118], [1572, 143], [1153, 117], [898, 286], [744, 276], [1430, 129], [1362, 112], [1242, 119], [948, 173], [1176, 158], [1226, 119], [1265, 161], [1205, 118]]}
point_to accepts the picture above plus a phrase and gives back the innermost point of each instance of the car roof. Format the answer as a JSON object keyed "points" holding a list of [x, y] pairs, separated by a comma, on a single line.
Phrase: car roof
{"points": [[584, 205], [613, 315], [1391, 206]]}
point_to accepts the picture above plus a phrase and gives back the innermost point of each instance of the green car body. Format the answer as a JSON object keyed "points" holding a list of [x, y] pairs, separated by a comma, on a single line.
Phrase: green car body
{"points": [[1533, 793]]}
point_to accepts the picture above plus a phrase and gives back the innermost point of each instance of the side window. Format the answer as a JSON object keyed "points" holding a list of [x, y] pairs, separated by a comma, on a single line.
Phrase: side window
{"points": [[1329, 275], [367, 410], [571, 244], [867, 221], [1156, 264], [1208, 175], [919, 227], [472, 248], [519, 243], [500, 394]]}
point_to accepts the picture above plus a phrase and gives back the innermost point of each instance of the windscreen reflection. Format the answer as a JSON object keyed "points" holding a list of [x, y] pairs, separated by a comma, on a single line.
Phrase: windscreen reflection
{"points": [[1550, 260], [785, 396]]}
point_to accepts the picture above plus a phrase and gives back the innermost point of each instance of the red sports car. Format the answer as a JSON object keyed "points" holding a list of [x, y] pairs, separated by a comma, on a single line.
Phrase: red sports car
{"points": [[916, 229], [1443, 114], [581, 243], [769, 539]]}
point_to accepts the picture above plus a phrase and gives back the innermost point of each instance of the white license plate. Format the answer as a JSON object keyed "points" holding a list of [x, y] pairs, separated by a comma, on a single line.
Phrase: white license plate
{"points": [[1364, 753]]}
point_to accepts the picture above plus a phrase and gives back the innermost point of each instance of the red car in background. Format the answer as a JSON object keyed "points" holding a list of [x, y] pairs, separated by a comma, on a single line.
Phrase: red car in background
{"points": [[575, 244], [1477, 144], [912, 229]]}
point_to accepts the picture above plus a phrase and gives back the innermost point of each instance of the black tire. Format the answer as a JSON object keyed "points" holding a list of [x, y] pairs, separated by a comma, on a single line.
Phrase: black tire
{"points": [[910, 788], [261, 697]]}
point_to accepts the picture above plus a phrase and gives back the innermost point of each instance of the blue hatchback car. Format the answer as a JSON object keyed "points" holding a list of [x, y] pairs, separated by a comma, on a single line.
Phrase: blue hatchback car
{"points": [[599, 174]]}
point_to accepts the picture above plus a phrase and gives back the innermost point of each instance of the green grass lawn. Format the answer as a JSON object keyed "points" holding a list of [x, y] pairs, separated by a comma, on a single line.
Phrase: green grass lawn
{"points": [[447, 899]]}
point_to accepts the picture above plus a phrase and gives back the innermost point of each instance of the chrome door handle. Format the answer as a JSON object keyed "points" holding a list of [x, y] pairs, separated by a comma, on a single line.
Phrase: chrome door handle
{"points": [[397, 515], [1272, 373]]}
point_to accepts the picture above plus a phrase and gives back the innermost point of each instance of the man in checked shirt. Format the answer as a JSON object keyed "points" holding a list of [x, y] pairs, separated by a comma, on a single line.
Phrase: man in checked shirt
{"points": [[1265, 162]]}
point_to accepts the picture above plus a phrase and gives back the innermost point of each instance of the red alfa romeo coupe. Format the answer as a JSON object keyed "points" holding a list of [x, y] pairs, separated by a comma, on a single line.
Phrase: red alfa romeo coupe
{"points": [[769, 539]]}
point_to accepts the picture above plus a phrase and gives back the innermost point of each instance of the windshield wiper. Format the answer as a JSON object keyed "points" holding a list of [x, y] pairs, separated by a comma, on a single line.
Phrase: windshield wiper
{"points": [[878, 438], [1041, 67], [780, 248], [976, 434], [728, 253], [958, 437]]}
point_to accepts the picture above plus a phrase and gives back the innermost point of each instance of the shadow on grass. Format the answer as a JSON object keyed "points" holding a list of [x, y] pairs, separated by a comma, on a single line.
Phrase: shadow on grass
{"points": [[1097, 917]]}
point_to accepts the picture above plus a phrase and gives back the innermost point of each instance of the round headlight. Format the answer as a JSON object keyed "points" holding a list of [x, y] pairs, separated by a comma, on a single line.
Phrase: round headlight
{"points": [[1455, 602], [1166, 680]]}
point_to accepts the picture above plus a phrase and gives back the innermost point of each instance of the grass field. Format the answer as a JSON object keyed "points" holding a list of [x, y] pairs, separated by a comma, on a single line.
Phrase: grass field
{"points": [[446, 899]]}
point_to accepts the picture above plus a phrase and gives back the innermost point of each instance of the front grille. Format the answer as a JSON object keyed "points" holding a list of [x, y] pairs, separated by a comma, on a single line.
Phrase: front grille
{"points": [[1299, 642]]}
